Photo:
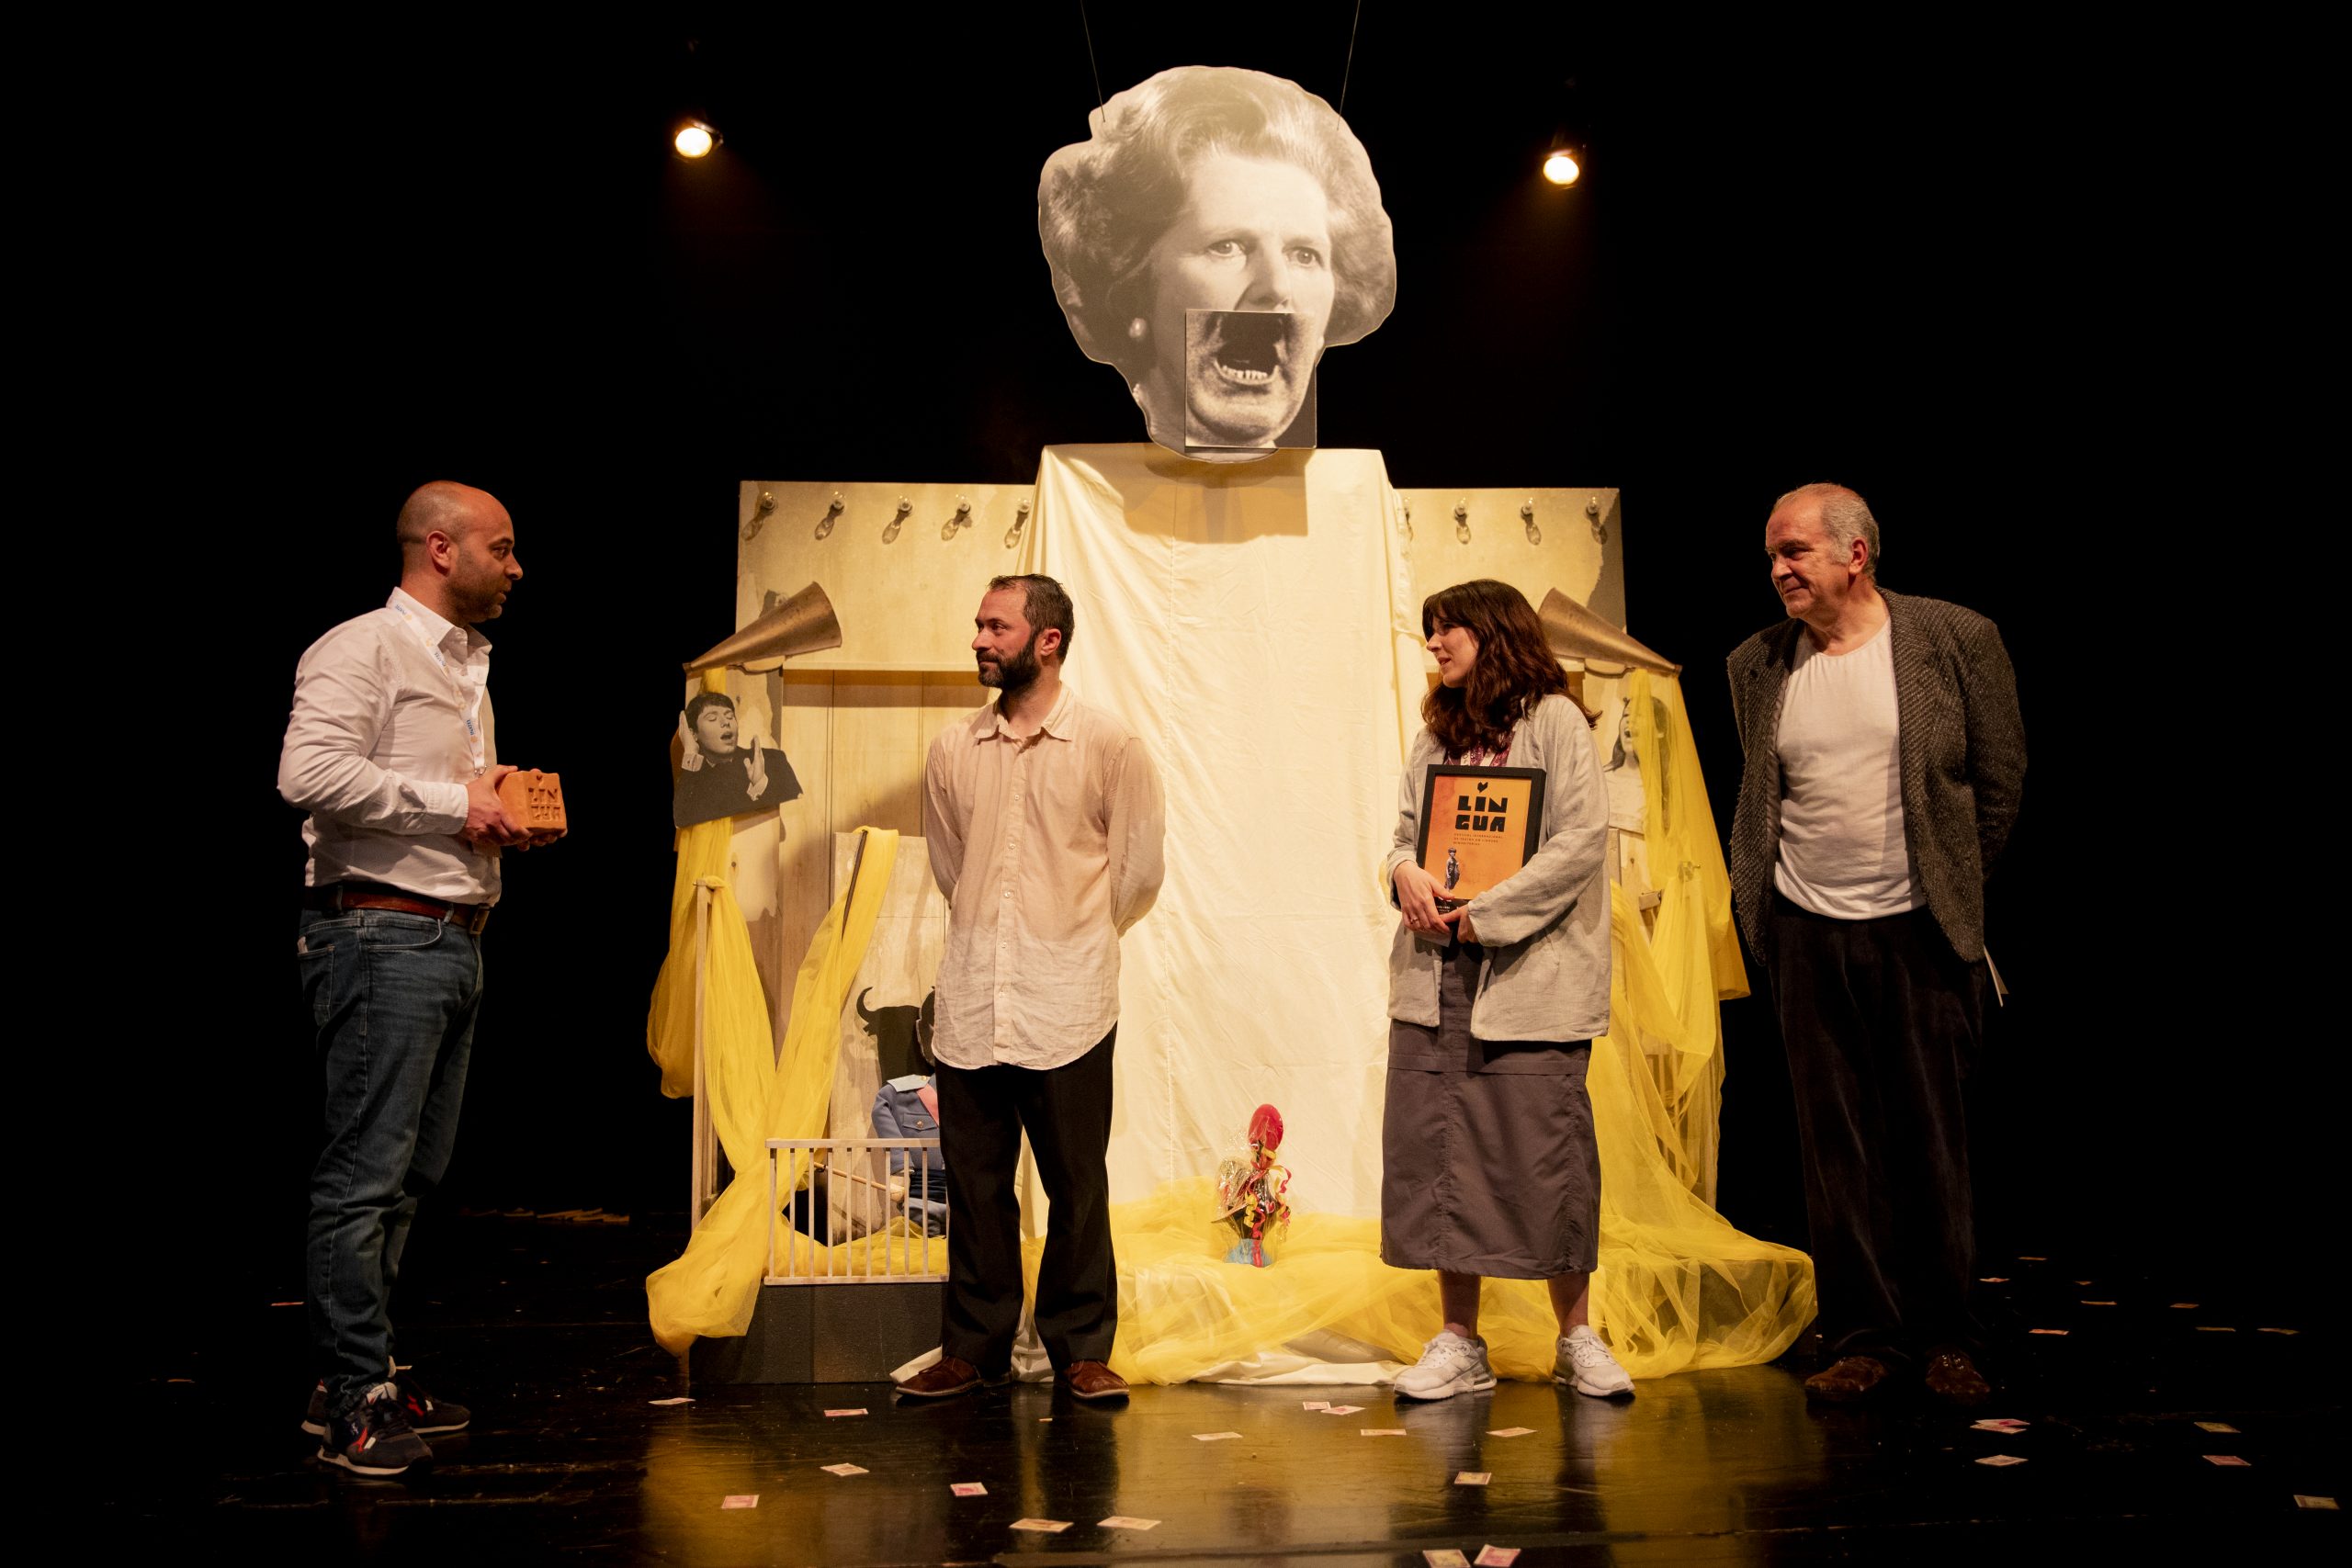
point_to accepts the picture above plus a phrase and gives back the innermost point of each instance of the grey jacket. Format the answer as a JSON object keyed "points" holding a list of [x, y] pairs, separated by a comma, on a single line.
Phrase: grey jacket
{"points": [[1546, 930], [1962, 744]]}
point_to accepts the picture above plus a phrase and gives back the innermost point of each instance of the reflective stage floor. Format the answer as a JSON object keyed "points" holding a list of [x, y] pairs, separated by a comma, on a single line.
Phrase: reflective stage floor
{"points": [[541, 1330]]}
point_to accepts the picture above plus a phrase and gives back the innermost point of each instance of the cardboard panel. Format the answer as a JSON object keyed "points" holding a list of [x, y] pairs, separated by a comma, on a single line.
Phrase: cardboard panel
{"points": [[1576, 544], [877, 1027], [906, 599]]}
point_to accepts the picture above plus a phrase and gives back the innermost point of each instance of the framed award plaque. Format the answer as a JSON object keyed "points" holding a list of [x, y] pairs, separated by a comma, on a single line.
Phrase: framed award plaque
{"points": [[1479, 826]]}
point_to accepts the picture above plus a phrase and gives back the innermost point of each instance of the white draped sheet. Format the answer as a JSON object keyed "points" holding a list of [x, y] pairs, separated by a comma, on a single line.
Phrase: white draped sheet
{"points": [[1257, 627], [1255, 624]]}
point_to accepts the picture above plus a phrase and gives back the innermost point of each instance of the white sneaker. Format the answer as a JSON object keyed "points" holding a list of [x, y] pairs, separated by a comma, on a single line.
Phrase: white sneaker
{"points": [[1585, 1365], [1449, 1365]]}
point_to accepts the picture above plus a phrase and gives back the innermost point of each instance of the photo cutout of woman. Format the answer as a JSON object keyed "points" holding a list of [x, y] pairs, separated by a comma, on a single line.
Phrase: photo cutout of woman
{"points": [[1218, 230]]}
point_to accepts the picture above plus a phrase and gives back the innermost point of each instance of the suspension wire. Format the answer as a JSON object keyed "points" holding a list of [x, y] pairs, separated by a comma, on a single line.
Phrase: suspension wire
{"points": [[1090, 66], [1349, 69]]}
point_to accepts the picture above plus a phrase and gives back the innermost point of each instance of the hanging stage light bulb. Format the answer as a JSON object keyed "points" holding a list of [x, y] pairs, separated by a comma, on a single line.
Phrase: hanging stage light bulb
{"points": [[696, 139], [1562, 167]]}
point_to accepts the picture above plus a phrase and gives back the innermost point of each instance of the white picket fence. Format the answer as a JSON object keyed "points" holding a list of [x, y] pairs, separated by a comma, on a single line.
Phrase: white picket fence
{"points": [[865, 1197]]}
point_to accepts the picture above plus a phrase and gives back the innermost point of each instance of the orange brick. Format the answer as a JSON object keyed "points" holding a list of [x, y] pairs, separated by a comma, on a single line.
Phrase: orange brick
{"points": [[535, 799]]}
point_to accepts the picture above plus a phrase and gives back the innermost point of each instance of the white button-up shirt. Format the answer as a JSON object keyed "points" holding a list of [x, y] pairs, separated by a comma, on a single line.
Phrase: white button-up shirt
{"points": [[392, 717], [1048, 847]]}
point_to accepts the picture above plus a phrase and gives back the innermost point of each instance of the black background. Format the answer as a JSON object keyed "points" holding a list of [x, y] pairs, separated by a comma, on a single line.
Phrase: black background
{"points": [[1925, 266]]}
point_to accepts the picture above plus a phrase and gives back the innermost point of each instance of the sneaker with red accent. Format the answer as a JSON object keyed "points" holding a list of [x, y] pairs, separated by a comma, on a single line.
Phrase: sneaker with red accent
{"points": [[427, 1416], [375, 1438]]}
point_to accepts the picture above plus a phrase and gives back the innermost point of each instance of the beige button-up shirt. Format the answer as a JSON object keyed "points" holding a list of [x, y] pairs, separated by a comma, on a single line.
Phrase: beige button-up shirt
{"points": [[1046, 848]]}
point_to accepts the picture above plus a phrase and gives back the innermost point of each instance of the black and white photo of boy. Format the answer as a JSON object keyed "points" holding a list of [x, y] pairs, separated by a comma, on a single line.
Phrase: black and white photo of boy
{"points": [[717, 777]]}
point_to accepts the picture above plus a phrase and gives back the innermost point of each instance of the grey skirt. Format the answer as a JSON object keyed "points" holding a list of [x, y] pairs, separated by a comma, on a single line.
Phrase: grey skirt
{"points": [[1488, 1164]]}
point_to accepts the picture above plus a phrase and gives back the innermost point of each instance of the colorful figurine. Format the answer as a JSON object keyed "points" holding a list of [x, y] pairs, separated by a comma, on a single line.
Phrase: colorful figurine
{"points": [[1251, 1193]]}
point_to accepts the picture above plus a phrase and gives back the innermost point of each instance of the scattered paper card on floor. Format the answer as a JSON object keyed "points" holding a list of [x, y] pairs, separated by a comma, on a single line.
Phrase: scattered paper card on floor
{"points": [[833, 1413], [2000, 1460], [1511, 1432], [1042, 1527], [967, 1489], [1496, 1556], [1214, 1437], [843, 1468], [1473, 1477], [1126, 1522], [740, 1500], [1445, 1557]]}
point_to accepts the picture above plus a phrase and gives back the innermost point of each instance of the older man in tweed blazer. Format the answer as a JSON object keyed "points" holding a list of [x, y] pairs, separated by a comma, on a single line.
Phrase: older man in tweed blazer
{"points": [[1885, 757]]}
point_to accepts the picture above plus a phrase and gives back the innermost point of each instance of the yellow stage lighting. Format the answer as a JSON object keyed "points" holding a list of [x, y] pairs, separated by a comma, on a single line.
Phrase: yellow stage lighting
{"points": [[1560, 166], [695, 140]]}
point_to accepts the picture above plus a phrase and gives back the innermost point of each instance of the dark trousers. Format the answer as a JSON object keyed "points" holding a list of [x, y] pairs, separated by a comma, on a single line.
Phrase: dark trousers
{"points": [[1066, 1112], [1882, 1020]]}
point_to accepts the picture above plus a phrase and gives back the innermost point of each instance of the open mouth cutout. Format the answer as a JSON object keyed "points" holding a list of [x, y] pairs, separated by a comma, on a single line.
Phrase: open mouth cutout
{"points": [[1249, 382], [1249, 347]]}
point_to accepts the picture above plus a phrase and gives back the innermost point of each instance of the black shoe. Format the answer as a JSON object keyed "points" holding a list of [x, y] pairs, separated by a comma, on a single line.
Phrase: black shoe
{"points": [[375, 1438], [427, 1416], [314, 1419]]}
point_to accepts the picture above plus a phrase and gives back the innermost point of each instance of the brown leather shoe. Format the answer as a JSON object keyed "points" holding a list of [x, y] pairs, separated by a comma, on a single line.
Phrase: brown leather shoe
{"points": [[1092, 1379], [1953, 1378], [1853, 1378], [946, 1376]]}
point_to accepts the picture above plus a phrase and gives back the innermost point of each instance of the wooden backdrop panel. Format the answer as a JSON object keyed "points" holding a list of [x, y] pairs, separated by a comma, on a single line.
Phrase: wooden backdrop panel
{"points": [[857, 721]]}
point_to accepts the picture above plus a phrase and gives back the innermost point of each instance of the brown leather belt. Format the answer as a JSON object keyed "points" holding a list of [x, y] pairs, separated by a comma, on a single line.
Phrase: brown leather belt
{"points": [[340, 896]]}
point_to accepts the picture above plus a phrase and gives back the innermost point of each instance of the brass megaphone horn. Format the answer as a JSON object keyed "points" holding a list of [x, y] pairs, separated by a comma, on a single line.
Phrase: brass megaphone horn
{"points": [[1576, 632], [802, 624]]}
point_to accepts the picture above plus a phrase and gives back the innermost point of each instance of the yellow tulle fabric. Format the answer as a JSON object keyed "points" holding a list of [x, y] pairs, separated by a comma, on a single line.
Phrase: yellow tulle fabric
{"points": [[1679, 1287], [894, 1252], [704, 850], [755, 1093]]}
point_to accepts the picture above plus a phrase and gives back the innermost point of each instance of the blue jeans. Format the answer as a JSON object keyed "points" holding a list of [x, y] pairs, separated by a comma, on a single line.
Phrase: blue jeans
{"points": [[393, 997]]}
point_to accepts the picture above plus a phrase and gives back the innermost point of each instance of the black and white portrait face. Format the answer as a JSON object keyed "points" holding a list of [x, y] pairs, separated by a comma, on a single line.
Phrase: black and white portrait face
{"points": [[725, 767], [1218, 230], [715, 730]]}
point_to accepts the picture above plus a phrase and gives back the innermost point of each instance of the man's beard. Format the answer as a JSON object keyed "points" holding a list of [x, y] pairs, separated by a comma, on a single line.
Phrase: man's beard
{"points": [[1015, 673], [479, 601]]}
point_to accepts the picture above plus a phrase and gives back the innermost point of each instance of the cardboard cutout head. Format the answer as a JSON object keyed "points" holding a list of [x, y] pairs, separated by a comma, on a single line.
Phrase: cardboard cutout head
{"points": [[1218, 230]]}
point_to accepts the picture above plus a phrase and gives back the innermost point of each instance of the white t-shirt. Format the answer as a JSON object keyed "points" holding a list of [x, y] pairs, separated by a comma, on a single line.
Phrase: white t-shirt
{"points": [[1842, 850]]}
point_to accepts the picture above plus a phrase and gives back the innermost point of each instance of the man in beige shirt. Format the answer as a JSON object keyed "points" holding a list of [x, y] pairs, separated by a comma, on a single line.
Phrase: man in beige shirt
{"points": [[1044, 820]]}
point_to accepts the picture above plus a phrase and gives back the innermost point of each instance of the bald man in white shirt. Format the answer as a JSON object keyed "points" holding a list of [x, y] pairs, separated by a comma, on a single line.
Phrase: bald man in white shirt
{"points": [[391, 750]]}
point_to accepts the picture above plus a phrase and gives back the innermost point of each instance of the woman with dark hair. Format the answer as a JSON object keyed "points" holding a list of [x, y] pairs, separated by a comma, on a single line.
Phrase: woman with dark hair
{"points": [[1208, 188], [1491, 1166]]}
